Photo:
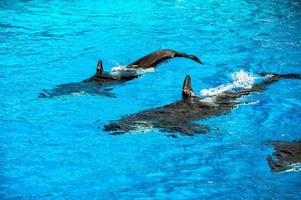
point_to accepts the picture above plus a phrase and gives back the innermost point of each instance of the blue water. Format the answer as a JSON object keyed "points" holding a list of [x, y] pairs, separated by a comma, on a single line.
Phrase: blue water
{"points": [[56, 149]]}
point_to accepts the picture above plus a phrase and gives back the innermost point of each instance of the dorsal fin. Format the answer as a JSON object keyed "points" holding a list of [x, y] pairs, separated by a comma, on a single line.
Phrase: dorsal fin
{"points": [[99, 69], [187, 89]]}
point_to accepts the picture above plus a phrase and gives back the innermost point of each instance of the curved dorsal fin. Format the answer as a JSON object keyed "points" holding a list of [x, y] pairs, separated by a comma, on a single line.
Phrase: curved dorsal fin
{"points": [[99, 69], [187, 91]]}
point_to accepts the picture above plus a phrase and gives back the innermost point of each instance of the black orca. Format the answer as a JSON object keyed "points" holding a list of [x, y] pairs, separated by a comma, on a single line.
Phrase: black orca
{"points": [[149, 61], [287, 154], [157, 57], [98, 84], [180, 117]]}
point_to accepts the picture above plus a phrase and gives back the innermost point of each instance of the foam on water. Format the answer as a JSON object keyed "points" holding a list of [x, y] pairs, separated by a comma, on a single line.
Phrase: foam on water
{"points": [[241, 79], [122, 70], [78, 93], [296, 167]]}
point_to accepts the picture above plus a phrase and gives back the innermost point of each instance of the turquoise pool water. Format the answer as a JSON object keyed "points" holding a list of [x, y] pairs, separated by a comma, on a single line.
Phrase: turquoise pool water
{"points": [[56, 149]]}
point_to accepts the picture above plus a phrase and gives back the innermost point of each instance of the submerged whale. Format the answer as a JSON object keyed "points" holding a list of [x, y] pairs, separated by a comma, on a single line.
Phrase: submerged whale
{"points": [[180, 117], [287, 154], [98, 84]]}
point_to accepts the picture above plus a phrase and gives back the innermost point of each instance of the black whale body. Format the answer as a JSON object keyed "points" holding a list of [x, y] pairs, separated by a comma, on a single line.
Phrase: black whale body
{"points": [[179, 117], [287, 154], [100, 82]]}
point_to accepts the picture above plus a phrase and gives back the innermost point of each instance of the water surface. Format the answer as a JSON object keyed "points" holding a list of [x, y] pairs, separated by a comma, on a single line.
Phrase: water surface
{"points": [[56, 149]]}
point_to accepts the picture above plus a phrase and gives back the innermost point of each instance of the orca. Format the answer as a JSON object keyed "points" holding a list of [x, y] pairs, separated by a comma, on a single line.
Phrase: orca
{"points": [[287, 155], [149, 61], [181, 116], [157, 57], [100, 82]]}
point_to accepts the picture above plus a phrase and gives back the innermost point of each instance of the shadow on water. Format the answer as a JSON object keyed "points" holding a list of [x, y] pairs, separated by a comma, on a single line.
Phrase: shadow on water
{"points": [[12, 3], [80, 88]]}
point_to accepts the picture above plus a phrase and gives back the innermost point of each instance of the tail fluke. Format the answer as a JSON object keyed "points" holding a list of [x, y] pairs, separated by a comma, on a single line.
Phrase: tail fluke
{"points": [[154, 59], [281, 76], [271, 78], [191, 57]]}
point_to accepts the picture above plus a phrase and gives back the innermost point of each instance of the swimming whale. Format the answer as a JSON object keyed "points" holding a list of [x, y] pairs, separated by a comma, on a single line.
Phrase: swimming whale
{"points": [[98, 83], [149, 61], [287, 155], [153, 59], [180, 117]]}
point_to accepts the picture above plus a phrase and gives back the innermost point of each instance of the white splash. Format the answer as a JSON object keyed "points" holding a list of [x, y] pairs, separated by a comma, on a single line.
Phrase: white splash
{"points": [[296, 167], [78, 93], [240, 79], [123, 71]]}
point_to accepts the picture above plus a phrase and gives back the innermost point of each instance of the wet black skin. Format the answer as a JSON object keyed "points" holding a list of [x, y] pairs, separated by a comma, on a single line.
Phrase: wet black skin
{"points": [[157, 57], [100, 82], [286, 154], [180, 117]]}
